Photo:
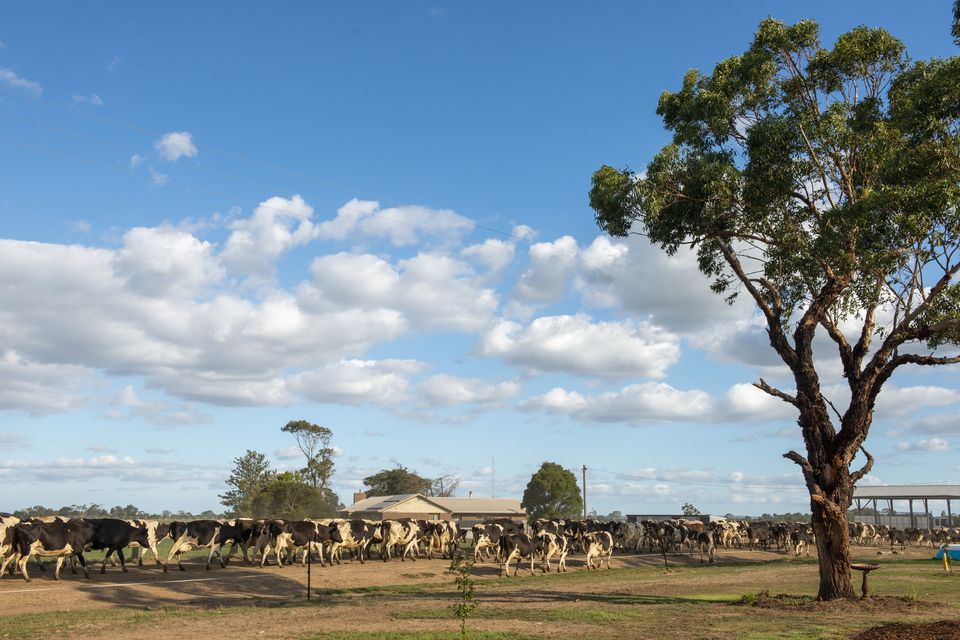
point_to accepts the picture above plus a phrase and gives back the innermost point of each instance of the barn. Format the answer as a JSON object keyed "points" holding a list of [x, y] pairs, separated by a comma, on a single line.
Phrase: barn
{"points": [[467, 511]]}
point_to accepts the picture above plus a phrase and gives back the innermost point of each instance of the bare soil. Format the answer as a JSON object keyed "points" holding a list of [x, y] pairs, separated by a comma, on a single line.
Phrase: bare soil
{"points": [[941, 630]]}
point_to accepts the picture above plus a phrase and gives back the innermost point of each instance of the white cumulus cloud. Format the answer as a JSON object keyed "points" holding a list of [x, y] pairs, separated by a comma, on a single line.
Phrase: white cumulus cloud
{"points": [[175, 145], [577, 345], [10, 78], [933, 444], [401, 226], [277, 225]]}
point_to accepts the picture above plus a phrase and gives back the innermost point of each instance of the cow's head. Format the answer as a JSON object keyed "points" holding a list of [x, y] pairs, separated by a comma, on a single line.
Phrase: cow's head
{"points": [[335, 534]]}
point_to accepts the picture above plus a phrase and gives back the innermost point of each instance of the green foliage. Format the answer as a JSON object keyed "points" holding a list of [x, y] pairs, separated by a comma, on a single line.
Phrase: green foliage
{"points": [[463, 609], [314, 442], [289, 496], [251, 473], [819, 164], [689, 510], [390, 482], [552, 492]]}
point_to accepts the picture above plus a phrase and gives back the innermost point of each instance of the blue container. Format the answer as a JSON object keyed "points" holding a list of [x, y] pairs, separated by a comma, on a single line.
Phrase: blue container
{"points": [[952, 551]]}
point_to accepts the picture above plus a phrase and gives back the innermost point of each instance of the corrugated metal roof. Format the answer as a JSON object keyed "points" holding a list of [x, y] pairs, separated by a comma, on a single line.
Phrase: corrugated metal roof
{"points": [[481, 505], [909, 492], [491, 506]]}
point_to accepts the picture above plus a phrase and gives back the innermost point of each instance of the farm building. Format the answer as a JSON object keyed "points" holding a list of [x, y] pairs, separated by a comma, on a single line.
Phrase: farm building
{"points": [[467, 511], [882, 498]]}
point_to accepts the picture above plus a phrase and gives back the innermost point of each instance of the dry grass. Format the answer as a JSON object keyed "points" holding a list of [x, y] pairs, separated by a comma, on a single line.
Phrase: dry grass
{"points": [[638, 599]]}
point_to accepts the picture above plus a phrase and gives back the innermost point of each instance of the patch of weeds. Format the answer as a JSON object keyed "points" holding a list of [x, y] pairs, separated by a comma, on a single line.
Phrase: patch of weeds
{"points": [[911, 595]]}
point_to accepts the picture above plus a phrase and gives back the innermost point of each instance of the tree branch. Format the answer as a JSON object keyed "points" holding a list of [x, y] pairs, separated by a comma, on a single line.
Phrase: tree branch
{"points": [[808, 202], [867, 466], [808, 474], [839, 415], [776, 393], [846, 353], [778, 339], [915, 358], [866, 337]]}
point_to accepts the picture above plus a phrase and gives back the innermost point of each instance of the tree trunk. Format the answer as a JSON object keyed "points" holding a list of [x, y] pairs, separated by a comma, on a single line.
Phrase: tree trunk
{"points": [[833, 544]]}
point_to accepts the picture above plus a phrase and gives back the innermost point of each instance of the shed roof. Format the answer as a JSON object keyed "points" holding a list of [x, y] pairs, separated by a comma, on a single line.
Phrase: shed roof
{"points": [[909, 492], [487, 506], [380, 503], [505, 506]]}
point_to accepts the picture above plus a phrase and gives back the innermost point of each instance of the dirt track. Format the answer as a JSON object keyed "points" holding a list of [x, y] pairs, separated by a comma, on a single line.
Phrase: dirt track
{"points": [[149, 587], [213, 602]]}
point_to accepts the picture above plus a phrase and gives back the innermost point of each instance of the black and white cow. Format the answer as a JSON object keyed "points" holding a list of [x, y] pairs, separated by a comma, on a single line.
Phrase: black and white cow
{"points": [[519, 546], [554, 544], [357, 536], [7, 552], [442, 536], [599, 544], [156, 532], [241, 532], [309, 535], [800, 540], [196, 534], [706, 541], [399, 533], [114, 536], [52, 539], [486, 537]]}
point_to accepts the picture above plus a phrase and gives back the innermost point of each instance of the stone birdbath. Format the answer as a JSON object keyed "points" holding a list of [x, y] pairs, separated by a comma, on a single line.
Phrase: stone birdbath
{"points": [[865, 569]]}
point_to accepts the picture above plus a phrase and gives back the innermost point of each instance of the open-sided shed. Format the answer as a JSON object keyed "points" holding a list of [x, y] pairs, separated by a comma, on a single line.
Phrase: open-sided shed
{"points": [[910, 493]]}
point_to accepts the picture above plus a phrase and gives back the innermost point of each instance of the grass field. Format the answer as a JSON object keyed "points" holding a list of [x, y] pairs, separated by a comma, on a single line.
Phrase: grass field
{"points": [[636, 599]]}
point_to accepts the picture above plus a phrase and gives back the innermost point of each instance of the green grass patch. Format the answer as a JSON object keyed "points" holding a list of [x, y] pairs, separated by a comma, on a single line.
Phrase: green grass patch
{"points": [[35, 625], [575, 614]]}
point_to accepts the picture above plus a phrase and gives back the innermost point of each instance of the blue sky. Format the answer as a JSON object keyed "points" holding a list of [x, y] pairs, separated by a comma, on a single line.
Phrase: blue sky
{"points": [[215, 218]]}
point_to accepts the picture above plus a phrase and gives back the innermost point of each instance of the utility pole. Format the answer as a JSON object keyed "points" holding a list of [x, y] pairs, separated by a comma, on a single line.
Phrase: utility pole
{"points": [[584, 491], [493, 477]]}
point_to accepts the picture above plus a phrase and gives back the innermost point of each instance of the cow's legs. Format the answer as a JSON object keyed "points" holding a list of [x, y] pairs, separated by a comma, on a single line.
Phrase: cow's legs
{"points": [[213, 550], [106, 557], [226, 561], [12, 556], [411, 548], [22, 566]]}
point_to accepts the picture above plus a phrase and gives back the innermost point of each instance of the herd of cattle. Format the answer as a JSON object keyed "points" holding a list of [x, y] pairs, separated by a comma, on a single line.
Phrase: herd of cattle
{"points": [[503, 541]]}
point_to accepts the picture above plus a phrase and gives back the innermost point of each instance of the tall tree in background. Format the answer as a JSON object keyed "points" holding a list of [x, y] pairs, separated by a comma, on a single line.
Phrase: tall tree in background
{"points": [[314, 442], [552, 492], [391, 482], [823, 183], [444, 486], [289, 496], [251, 473]]}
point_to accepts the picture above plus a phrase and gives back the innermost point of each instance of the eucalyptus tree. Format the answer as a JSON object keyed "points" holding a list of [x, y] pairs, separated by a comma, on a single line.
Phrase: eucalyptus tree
{"points": [[313, 441], [823, 184]]}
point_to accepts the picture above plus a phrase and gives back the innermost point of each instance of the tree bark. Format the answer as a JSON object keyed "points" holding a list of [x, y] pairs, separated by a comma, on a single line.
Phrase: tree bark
{"points": [[833, 540]]}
